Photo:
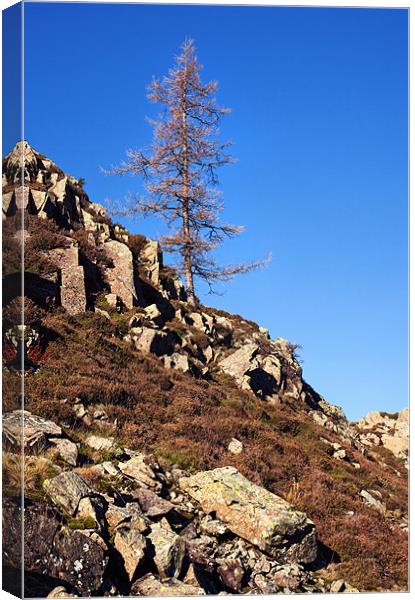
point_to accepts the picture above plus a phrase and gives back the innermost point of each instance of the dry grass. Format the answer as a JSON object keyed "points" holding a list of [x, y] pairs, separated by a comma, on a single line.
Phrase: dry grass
{"points": [[32, 470]]}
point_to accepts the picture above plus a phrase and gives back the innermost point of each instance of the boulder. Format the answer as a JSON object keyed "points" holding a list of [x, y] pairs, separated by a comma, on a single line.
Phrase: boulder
{"points": [[129, 516], [131, 545], [288, 577], [151, 504], [72, 277], [50, 550], [152, 340], [79, 560], [67, 450], [41, 523], [169, 549], [197, 320], [388, 430], [153, 314], [373, 499], [177, 361], [231, 573], [121, 275], [136, 468], [92, 509], [61, 592], [239, 363], [66, 490], [253, 513], [338, 586], [150, 585], [34, 432], [103, 444], [112, 300], [235, 446], [72, 292]]}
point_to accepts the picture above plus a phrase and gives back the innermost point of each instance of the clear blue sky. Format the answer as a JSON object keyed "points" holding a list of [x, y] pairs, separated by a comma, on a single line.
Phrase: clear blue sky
{"points": [[319, 124]]}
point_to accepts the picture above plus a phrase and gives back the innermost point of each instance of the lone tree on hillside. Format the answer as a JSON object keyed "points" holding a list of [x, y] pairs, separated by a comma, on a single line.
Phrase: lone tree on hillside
{"points": [[180, 172]]}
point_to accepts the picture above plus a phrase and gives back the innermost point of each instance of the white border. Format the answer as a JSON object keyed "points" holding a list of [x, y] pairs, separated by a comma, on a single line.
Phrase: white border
{"points": [[324, 3]]}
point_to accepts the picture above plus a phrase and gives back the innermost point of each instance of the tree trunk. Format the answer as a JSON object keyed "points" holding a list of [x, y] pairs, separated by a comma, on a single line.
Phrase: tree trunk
{"points": [[187, 255]]}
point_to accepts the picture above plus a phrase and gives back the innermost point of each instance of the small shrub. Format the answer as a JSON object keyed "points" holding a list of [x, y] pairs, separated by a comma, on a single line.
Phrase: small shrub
{"points": [[136, 243]]}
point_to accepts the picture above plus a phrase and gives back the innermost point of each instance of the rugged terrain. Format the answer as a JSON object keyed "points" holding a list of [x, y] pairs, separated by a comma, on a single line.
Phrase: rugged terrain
{"points": [[171, 450]]}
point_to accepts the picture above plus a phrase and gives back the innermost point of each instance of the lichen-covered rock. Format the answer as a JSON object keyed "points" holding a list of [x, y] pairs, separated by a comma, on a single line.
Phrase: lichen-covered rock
{"points": [[252, 370], [104, 444], [235, 446], [129, 516], [136, 468], [153, 314], [238, 363], [169, 549], [92, 510], [231, 572], [131, 545], [49, 550], [177, 361], [34, 432], [72, 291], [254, 513], [150, 585], [152, 260], [79, 560], [374, 499], [67, 450], [41, 523], [66, 490]]}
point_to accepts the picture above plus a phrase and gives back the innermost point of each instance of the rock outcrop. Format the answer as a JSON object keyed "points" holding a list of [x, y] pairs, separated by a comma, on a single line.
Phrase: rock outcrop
{"points": [[55, 197], [388, 430]]}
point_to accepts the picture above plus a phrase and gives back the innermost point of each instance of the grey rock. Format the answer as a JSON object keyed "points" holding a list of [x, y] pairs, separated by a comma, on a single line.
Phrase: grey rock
{"points": [[169, 549], [235, 446], [67, 450], [151, 504], [150, 585], [66, 490], [131, 545], [20, 427]]}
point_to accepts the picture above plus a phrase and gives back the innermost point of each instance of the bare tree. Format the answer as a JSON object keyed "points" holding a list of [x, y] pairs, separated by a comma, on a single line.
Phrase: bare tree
{"points": [[180, 172]]}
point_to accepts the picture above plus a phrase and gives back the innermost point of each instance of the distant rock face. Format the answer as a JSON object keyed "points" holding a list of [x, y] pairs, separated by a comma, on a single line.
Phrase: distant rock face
{"points": [[253, 513], [383, 429]]}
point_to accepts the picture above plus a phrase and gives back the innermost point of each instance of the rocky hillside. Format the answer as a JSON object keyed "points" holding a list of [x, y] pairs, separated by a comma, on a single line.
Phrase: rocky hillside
{"points": [[172, 451]]}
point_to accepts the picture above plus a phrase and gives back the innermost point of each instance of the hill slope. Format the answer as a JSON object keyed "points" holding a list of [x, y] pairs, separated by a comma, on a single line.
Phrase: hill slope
{"points": [[161, 412]]}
